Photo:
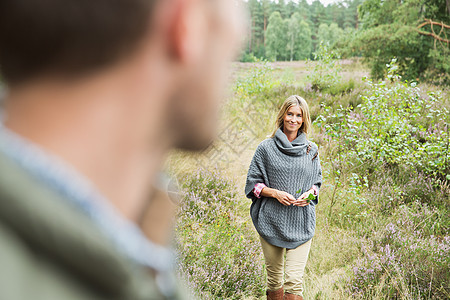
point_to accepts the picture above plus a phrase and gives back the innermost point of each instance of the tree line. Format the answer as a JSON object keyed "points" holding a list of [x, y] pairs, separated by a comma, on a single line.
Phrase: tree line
{"points": [[416, 32], [287, 30]]}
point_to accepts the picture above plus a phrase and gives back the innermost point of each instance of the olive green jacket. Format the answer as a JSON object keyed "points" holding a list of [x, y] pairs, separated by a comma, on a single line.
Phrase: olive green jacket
{"points": [[50, 250]]}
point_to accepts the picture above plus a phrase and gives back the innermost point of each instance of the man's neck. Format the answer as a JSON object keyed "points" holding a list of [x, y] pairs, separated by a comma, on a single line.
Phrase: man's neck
{"points": [[114, 143]]}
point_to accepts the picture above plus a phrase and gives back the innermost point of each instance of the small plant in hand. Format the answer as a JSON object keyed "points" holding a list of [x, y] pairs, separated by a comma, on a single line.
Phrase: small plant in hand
{"points": [[309, 198]]}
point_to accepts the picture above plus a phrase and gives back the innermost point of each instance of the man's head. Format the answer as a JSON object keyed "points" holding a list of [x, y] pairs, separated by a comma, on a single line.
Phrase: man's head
{"points": [[72, 39], [67, 38]]}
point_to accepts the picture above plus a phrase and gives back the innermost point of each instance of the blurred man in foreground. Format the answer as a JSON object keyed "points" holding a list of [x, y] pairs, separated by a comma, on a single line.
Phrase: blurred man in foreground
{"points": [[97, 92]]}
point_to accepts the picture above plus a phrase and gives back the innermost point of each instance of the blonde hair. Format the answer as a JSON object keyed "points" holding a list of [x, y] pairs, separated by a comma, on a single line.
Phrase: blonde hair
{"points": [[288, 103]]}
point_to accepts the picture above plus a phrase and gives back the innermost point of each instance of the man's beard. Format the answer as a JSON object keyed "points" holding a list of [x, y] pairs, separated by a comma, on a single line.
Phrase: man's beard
{"points": [[193, 130]]}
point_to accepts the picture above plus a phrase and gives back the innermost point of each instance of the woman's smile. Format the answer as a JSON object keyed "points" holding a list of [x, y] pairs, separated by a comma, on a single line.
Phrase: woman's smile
{"points": [[293, 119]]}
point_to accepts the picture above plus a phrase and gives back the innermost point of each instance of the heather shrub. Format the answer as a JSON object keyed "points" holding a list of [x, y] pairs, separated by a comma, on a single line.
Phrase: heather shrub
{"points": [[403, 260], [394, 188], [218, 255], [341, 88]]}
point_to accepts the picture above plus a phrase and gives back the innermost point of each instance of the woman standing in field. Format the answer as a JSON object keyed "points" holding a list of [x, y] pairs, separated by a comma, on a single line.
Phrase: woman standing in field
{"points": [[283, 182]]}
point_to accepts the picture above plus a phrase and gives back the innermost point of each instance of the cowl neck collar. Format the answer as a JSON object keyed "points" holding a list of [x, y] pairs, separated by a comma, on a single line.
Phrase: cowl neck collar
{"points": [[296, 147]]}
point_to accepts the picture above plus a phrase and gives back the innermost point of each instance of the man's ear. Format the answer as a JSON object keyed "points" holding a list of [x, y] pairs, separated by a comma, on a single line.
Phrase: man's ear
{"points": [[187, 30]]}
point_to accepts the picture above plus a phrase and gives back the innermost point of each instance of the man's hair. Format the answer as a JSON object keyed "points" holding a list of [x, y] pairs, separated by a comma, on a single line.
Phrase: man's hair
{"points": [[67, 37]]}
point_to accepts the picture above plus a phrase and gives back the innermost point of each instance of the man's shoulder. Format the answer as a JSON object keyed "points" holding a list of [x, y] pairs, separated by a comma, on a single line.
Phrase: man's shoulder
{"points": [[28, 274], [57, 252], [38, 240]]}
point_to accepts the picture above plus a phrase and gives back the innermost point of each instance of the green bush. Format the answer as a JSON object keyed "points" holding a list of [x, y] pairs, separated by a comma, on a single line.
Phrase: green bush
{"points": [[258, 81], [395, 125], [248, 57], [326, 73]]}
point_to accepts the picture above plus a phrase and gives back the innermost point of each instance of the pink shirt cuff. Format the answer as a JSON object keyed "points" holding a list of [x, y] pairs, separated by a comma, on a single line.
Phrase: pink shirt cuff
{"points": [[316, 190], [258, 188]]}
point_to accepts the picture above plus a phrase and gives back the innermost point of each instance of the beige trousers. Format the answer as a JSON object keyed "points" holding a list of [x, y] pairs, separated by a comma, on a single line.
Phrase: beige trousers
{"points": [[293, 268]]}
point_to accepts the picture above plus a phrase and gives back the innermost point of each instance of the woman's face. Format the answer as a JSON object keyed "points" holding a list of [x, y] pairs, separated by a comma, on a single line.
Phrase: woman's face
{"points": [[293, 119]]}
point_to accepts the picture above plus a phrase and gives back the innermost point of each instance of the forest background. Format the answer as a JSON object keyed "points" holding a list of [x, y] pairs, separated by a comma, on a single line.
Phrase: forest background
{"points": [[413, 31], [375, 74]]}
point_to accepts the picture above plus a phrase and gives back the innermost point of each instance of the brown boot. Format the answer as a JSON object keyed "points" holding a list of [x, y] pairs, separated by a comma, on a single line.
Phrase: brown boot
{"points": [[275, 295], [289, 296]]}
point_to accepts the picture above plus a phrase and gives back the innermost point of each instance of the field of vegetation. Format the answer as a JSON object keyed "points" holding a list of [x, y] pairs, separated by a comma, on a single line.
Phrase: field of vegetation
{"points": [[383, 220]]}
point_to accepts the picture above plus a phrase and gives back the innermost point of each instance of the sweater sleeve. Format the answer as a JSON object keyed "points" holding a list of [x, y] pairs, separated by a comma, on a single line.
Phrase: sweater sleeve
{"points": [[256, 173]]}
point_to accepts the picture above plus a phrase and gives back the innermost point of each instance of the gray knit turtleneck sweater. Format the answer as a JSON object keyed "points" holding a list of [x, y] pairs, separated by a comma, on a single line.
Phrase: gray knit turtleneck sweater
{"points": [[284, 166]]}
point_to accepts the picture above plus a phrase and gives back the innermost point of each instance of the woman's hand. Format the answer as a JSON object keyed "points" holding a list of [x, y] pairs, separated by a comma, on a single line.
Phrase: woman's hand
{"points": [[284, 198], [302, 200]]}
